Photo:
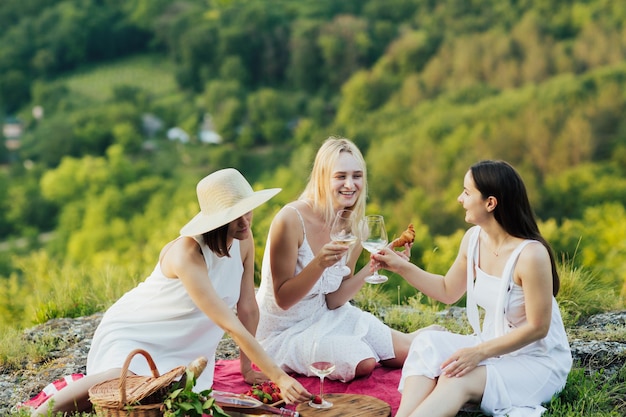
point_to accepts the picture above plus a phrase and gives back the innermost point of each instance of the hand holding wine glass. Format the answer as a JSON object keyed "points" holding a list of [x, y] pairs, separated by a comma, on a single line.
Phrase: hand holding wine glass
{"points": [[322, 364], [373, 239], [342, 232]]}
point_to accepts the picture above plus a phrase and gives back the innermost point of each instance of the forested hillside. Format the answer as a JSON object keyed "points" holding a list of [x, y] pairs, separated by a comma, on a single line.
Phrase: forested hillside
{"points": [[111, 108]]}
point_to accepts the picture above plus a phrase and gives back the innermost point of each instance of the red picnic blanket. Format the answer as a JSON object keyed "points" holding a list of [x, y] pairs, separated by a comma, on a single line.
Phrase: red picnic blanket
{"points": [[382, 384]]}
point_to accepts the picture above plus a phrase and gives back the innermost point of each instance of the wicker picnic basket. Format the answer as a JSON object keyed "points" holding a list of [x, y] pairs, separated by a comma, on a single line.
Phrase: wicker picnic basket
{"points": [[133, 395]]}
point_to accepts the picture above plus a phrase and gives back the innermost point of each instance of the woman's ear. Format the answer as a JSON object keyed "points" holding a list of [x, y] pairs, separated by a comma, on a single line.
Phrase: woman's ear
{"points": [[492, 203]]}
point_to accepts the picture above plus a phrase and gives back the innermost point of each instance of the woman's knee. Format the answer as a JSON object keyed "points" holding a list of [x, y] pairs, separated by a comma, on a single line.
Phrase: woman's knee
{"points": [[470, 387], [365, 368]]}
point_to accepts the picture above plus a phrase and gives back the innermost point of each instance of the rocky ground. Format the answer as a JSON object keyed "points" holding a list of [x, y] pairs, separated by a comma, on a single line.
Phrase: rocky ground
{"points": [[74, 338]]}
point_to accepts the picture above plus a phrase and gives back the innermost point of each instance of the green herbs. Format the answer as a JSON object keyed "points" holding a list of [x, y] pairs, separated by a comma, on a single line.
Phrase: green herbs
{"points": [[184, 402]]}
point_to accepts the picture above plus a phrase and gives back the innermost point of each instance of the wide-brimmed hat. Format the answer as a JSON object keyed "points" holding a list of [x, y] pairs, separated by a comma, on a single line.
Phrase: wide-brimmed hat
{"points": [[224, 196]]}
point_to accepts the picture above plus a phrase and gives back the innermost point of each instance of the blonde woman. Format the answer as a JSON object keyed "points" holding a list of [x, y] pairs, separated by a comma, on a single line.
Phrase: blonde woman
{"points": [[301, 299]]}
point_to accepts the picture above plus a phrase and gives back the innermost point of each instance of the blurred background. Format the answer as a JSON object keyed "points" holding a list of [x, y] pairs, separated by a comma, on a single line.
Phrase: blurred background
{"points": [[112, 110]]}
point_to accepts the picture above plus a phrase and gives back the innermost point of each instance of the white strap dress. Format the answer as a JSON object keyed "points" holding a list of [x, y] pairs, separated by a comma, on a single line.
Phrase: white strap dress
{"points": [[288, 335], [159, 316], [518, 382]]}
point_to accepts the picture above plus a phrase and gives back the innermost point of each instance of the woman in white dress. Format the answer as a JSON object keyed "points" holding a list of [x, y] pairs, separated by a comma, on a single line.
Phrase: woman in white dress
{"points": [[521, 356], [181, 311], [301, 299]]}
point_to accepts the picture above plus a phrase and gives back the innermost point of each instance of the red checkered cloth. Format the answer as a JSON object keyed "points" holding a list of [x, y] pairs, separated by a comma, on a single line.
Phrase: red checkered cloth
{"points": [[49, 390]]}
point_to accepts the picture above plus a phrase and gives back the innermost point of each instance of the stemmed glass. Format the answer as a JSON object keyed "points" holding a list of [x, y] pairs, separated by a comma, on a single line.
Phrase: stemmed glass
{"points": [[373, 238], [322, 364], [342, 232]]}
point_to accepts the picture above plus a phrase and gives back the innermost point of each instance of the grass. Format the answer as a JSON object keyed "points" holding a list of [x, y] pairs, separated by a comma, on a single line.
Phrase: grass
{"points": [[148, 72]]}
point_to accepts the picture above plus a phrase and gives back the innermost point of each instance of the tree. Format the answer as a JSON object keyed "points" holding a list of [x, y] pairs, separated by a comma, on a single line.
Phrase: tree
{"points": [[344, 45], [305, 60], [268, 115], [14, 91]]}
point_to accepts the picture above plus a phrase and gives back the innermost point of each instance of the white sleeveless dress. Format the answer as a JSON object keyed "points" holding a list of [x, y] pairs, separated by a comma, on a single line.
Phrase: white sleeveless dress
{"points": [[288, 335], [159, 316], [518, 382]]}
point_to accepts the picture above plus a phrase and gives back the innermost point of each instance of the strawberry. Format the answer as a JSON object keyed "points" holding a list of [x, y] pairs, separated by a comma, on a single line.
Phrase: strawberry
{"points": [[316, 399], [266, 392]]}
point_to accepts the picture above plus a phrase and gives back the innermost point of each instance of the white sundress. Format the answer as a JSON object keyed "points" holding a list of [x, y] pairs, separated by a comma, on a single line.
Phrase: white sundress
{"points": [[288, 335], [159, 316], [519, 382]]}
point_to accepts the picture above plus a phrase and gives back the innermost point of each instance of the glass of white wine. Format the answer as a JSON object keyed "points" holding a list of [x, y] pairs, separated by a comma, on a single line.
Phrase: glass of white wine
{"points": [[322, 364], [373, 238], [342, 232]]}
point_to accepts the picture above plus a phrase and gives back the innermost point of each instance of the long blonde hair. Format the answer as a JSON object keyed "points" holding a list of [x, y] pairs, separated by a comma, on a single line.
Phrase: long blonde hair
{"points": [[318, 191]]}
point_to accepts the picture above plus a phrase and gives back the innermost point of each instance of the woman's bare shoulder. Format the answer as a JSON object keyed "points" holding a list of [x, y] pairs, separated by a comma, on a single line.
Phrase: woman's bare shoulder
{"points": [[288, 214], [179, 252], [534, 252]]}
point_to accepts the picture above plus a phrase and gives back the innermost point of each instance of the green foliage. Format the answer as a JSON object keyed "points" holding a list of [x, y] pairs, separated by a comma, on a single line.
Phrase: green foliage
{"points": [[419, 312], [25, 412], [146, 72], [582, 294], [568, 193], [44, 289], [184, 402], [15, 350], [595, 242], [423, 100], [268, 115], [592, 394]]}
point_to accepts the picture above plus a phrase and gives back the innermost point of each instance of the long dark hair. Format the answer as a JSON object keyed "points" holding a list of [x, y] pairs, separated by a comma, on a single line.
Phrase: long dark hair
{"points": [[216, 240], [513, 212]]}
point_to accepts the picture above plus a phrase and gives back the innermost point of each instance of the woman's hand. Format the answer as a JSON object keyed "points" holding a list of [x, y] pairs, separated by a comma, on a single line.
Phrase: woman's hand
{"points": [[330, 254], [292, 391], [390, 259], [252, 376], [462, 362]]}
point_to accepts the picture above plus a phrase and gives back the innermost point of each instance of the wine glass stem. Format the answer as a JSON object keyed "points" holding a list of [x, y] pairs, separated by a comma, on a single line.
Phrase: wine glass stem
{"points": [[322, 388]]}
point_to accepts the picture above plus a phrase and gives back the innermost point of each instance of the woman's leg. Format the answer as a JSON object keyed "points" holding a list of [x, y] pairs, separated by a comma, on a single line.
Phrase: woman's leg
{"points": [[365, 368], [401, 344], [75, 396], [416, 389], [450, 394]]}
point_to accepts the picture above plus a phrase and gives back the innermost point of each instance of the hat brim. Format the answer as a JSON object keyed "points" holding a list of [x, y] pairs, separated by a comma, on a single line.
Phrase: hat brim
{"points": [[203, 223]]}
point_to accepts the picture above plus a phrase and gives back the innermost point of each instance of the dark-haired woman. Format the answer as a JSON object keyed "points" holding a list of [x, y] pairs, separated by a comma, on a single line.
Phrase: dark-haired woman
{"points": [[520, 356]]}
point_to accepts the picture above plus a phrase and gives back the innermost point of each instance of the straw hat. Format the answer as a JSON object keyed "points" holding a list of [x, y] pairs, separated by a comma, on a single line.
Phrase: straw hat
{"points": [[224, 196]]}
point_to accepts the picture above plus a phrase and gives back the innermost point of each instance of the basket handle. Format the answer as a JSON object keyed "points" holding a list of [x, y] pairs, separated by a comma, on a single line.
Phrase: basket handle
{"points": [[153, 369]]}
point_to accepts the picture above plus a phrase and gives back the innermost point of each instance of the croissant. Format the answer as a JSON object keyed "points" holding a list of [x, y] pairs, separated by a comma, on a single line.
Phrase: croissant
{"points": [[408, 236]]}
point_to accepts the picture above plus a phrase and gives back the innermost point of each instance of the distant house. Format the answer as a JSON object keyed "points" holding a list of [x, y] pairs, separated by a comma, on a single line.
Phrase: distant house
{"points": [[176, 133], [12, 130], [151, 124], [207, 132]]}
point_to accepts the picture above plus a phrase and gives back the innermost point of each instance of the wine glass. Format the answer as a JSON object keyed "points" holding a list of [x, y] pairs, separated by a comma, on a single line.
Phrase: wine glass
{"points": [[373, 239], [322, 364], [342, 232]]}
